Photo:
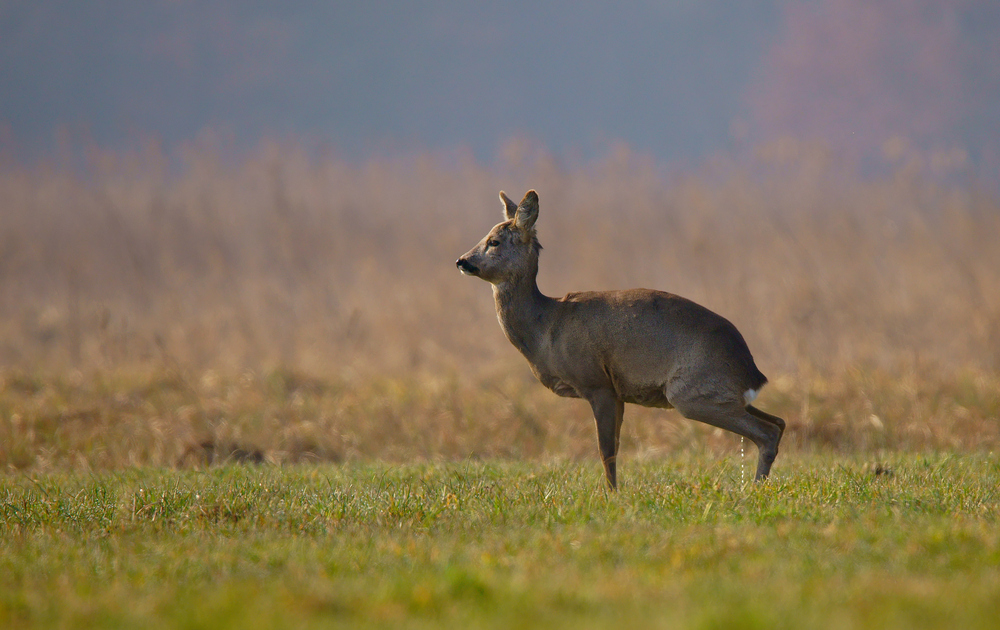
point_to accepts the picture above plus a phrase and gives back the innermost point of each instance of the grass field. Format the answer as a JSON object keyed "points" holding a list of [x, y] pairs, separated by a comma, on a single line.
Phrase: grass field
{"points": [[908, 541], [114, 420], [253, 391]]}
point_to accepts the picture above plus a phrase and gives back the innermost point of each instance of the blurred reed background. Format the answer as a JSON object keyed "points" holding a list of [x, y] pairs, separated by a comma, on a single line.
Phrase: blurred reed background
{"points": [[290, 305]]}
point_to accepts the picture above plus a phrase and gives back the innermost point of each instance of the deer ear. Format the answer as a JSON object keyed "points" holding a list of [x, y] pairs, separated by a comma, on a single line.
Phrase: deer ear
{"points": [[509, 207], [527, 211]]}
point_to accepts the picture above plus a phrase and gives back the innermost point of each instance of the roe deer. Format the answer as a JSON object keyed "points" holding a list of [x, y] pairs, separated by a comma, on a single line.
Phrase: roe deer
{"points": [[638, 346]]}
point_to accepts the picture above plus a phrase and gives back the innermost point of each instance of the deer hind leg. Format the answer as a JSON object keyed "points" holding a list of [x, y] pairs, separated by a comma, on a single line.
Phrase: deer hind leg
{"points": [[775, 420], [609, 412], [764, 430]]}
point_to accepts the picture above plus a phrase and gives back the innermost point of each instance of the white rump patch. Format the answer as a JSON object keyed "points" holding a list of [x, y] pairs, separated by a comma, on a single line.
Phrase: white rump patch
{"points": [[750, 394]]}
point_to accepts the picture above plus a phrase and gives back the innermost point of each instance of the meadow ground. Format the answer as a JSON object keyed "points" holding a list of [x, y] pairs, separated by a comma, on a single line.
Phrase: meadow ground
{"points": [[907, 541], [251, 390]]}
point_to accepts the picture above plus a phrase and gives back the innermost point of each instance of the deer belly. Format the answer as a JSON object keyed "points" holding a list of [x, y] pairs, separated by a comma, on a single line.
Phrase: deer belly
{"points": [[557, 385], [653, 397]]}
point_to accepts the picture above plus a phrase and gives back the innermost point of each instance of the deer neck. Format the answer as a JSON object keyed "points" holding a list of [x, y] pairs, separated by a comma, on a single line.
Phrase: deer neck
{"points": [[523, 312]]}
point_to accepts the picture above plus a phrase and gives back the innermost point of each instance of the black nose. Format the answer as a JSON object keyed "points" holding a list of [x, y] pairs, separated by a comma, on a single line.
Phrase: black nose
{"points": [[466, 267]]}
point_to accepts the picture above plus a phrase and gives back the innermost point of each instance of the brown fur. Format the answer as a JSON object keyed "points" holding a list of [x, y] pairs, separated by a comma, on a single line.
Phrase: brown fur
{"points": [[614, 347]]}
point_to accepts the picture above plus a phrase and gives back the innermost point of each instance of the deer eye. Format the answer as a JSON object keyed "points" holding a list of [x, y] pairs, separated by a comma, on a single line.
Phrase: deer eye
{"points": [[492, 243]]}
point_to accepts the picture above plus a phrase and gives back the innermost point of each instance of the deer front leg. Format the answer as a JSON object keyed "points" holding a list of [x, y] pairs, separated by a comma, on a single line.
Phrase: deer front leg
{"points": [[608, 412]]}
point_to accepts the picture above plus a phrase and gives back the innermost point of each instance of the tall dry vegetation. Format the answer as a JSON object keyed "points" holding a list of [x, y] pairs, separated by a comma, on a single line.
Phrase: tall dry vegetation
{"points": [[210, 266], [330, 267]]}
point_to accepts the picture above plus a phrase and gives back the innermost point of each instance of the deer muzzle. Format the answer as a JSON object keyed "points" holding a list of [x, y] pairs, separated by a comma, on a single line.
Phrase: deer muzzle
{"points": [[466, 267]]}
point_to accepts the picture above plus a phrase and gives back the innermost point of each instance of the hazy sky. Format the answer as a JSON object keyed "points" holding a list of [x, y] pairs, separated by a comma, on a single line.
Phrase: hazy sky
{"points": [[677, 78]]}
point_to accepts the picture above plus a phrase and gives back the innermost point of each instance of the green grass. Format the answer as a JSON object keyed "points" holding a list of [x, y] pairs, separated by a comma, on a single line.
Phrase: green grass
{"points": [[840, 543]]}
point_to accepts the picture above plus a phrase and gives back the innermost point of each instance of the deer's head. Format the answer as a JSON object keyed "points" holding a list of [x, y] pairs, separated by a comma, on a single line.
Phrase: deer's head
{"points": [[510, 250]]}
